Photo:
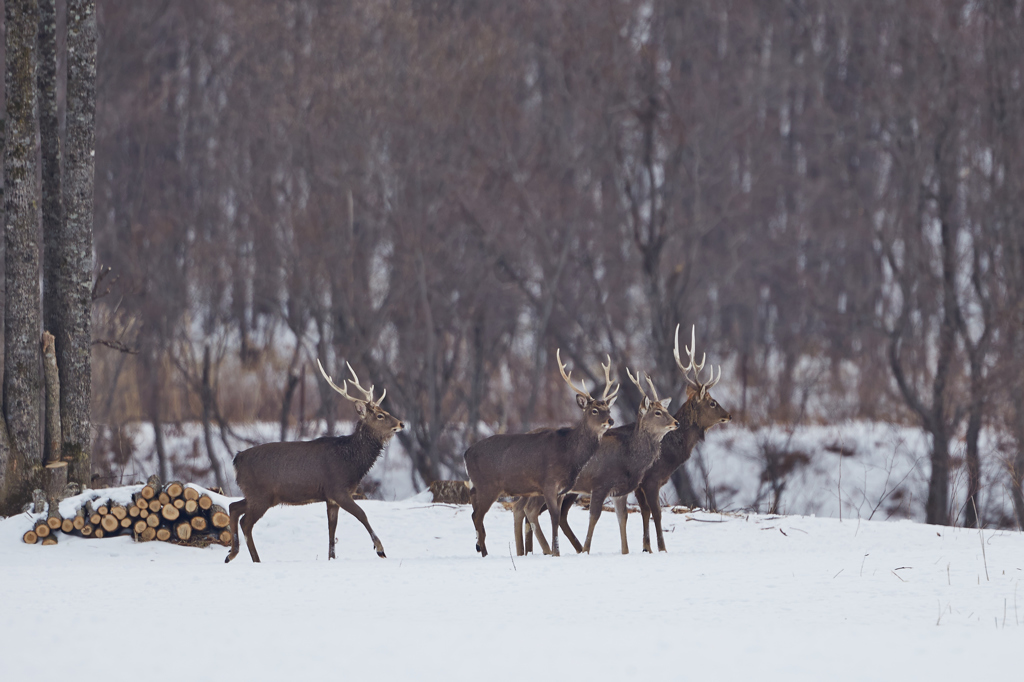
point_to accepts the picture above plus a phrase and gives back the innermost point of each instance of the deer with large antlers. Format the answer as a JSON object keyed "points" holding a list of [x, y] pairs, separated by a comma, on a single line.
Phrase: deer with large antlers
{"points": [[327, 470], [623, 457], [542, 463], [698, 414]]}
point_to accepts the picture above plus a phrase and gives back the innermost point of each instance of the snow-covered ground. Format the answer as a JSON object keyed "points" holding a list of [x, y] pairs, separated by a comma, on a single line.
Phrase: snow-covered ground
{"points": [[737, 597]]}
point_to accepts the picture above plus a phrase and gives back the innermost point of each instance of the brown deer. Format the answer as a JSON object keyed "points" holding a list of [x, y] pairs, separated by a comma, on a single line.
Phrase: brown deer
{"points": [[545, 462], [698, 414], [327, 470], [622, 458]]}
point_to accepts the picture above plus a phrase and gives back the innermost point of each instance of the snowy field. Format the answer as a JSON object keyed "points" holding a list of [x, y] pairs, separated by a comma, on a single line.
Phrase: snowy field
{"points": [[737, 597]]}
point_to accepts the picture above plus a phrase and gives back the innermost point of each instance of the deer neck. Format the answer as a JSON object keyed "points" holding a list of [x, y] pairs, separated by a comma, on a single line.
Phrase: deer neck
{"points": [[581, 444], [644, 447], [368, 444], [678, 444]]}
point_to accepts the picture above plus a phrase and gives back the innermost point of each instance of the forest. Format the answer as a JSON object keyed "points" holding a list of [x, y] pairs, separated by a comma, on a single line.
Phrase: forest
{"points": [[442, 194]]}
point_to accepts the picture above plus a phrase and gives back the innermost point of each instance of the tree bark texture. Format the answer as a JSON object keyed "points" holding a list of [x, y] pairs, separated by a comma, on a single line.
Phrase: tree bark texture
{"points": [[73, 278], [22, 389]]}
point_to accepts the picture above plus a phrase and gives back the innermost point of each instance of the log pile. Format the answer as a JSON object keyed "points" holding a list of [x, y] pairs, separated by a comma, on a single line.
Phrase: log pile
{"points": [[171, 513]]}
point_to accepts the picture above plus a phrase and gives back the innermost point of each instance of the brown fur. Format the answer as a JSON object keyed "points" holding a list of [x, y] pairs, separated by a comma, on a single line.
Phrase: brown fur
{"points": [[323, 470]]}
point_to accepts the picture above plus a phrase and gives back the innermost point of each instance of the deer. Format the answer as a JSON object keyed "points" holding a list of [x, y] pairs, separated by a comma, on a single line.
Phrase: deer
{"points": [[327, 469], [696, 416], [623, 457], [541, 463]]}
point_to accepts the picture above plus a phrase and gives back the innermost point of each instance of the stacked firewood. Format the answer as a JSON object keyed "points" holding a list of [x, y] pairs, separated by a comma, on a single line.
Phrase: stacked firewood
{"points": [[171, 513]]}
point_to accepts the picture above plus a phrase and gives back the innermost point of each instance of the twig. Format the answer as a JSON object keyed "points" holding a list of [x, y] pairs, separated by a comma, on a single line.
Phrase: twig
{"points": [[837, 574], [948, 580], [116, 345], [940, 612], [510, 557], [862, 564], [898, 576], [783, 532], [981, 534]]}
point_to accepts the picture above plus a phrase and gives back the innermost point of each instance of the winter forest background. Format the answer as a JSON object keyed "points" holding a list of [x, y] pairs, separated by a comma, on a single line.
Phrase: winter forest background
{"points": [[444, 193]]}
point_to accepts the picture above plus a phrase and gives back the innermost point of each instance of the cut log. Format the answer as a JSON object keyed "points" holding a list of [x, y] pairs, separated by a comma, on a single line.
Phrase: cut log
{"points": [[191, 506], [163, 534], [87, 530], [30, 537], [42, 528], [190, 494], [198, 522], [103, 510], [133, 511], [183, 531], [79, 519], [225, 537], [144, 513], [153, 520], [140, 526], [141, 502], [152, 488], [94, 519], [154, 505], [99, 533], [67, 525], [119, 511], [53, 517], [174, 489], [164, 498], [205, 502], [147, 534], [50, 540], [126, 523], [110, 523], [169, 512], [179, 503], [218, 517]]}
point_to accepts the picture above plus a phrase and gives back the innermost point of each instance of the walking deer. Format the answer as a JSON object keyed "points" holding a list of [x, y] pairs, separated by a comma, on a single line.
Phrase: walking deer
{"points": [[698, 414], [545, 462], [623, 457], [327, 470]]}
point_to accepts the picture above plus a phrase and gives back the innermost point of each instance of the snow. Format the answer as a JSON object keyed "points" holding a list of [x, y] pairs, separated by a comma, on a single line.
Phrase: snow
{"points": [[737, 596]]}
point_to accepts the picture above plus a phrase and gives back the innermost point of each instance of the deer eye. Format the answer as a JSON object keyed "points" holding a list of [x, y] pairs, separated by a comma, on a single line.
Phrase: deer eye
{"points": [[380, 416], [658, 413], [713, 404]]}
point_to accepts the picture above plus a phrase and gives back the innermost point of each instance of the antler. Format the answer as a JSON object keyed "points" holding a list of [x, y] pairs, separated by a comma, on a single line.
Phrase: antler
{"points": [[568, 377], [636, 382], [367, 394], [692, 364], [607, 367]]}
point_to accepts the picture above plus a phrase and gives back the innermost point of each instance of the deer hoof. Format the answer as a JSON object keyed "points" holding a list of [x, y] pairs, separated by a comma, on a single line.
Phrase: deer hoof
{"points": [[380, 553], [230, 556]]}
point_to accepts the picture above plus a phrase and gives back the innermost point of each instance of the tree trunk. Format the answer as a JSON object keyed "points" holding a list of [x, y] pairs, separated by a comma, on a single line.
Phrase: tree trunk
{"points": [[73, 280], [22, 384], [207, 398]]}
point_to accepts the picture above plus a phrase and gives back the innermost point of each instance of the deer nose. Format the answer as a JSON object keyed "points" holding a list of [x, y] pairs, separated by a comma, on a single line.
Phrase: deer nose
{"points": [[401, 425], [611, 422], [675, 424]]}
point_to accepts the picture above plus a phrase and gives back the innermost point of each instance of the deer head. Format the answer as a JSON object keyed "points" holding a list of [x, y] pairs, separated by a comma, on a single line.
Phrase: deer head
{"points": [[371, 414], [596, 412], [708, 411], [653, 414]]}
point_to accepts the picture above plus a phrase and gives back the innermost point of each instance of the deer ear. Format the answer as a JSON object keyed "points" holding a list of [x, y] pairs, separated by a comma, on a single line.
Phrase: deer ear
{"points": [[665, 402], [361, 409], [645, 405], [581, 401]]}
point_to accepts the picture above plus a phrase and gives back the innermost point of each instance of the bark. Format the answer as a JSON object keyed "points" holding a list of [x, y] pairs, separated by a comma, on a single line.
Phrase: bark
{"points": [[53, 437], [74, 277], [22, 386], [207, 398]]}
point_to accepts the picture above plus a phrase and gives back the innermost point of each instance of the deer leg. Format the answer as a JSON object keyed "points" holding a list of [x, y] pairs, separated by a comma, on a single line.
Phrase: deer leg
{"points": [[332, 526], [656, 515], [563, 522], [482, 501], [253, 513], [518, 516], [551, 499], [645, 514], [534, 507], [348, 504], [622, 514], [236, 509], [596, 507]]}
